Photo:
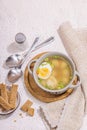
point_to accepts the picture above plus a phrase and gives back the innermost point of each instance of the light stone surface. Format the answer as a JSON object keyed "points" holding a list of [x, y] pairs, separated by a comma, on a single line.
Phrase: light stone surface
{"points": [[34, 18]]}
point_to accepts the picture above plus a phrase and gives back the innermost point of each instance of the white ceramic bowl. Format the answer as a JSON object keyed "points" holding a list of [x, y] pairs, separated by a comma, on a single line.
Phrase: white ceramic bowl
{"points": [[39, 61]]}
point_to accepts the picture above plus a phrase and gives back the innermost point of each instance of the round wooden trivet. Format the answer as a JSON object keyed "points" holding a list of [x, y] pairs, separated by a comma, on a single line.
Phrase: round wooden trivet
{"points": [[39, 93]]}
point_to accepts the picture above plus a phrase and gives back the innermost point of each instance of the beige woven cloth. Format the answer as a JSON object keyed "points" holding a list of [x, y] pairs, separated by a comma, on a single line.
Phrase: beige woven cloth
{"points": [[67, 114]]}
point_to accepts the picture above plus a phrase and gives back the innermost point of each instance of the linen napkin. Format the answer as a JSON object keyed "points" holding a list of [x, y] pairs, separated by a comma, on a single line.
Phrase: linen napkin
{"points": [[67, 114], [75, 44]]}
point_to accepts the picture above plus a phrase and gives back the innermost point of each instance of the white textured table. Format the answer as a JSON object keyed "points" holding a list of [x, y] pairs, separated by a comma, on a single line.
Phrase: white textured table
{"points": [[34, 18]]}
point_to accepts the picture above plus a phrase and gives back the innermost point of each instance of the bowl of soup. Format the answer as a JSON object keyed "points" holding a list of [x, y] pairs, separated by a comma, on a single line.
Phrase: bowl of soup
{"points": [[54, 72]]}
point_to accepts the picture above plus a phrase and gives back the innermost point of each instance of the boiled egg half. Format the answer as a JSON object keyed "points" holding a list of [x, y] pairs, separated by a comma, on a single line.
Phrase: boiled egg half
{"points": [[44, 70]]}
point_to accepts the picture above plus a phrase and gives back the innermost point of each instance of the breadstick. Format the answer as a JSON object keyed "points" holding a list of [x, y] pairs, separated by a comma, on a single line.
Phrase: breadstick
{"points": [[13, 95], [8, 93], [4, 104], [0, 88], [25, 106], [4, 92]]}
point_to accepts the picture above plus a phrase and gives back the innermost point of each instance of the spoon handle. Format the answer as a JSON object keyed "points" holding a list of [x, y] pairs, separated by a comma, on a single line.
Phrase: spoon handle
{"points": [[29, 51], [51, 39], [32, 46]]}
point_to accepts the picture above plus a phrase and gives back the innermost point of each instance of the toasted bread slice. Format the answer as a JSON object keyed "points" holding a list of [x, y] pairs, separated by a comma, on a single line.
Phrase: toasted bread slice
{"points": [[30, 111]]}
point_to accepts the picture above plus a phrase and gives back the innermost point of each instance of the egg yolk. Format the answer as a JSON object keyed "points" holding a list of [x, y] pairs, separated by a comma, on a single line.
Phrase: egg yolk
{"points": [[43, 72]]}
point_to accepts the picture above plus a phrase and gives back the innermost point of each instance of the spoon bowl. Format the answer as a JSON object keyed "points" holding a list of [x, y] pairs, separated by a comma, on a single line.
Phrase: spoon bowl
{"points": [[14, 74], [14, 60]]}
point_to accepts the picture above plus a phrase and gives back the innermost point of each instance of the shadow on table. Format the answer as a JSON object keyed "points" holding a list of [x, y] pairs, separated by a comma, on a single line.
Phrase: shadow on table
{"points": [[2, 117], [12, 48]]}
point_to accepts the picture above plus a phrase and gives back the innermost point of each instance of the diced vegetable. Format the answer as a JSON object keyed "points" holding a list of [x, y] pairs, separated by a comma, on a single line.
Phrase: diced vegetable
{"points": [[46, 59], [61, 85]]}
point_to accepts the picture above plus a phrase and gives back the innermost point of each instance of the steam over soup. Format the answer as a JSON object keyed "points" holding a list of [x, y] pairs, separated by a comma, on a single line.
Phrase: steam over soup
{"points": [[54, 72]]}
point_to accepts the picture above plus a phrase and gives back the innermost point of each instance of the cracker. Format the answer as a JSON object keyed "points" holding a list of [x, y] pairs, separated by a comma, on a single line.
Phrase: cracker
{"points": [[13, 95], [26, 105], [31, 111], [4, 104], [4, 92]]}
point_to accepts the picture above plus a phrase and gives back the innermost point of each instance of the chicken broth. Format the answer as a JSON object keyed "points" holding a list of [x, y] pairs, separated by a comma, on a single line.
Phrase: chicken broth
{"points": [[54, 72]]}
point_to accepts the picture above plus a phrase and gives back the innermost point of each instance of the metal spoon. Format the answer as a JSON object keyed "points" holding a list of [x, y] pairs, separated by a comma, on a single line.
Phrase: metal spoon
{"points": [[16, 60], [15, 73]]}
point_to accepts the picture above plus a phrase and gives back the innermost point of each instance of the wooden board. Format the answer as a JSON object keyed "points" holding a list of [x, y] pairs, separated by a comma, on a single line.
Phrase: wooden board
{"points": [[38, 92]]}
